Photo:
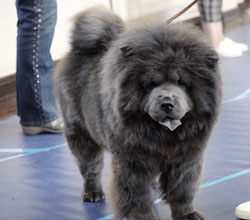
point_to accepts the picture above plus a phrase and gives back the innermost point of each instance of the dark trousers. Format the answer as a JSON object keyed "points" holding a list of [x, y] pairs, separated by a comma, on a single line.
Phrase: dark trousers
{"points": [[36, 24]]}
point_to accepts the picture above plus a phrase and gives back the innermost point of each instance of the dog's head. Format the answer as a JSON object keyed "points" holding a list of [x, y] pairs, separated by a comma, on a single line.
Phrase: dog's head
{"points": [[165, 72]]}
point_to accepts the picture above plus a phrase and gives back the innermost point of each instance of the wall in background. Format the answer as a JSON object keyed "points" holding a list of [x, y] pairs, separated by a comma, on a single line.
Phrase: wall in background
{"points": [[8, 21], [127, 9], [130, 9]]}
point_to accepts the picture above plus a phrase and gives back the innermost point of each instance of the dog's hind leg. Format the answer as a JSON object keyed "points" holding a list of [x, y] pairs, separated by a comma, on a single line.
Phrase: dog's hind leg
{"points": [[89, 157]]}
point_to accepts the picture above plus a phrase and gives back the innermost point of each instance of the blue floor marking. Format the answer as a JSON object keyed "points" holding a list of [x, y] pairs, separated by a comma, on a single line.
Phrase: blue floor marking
{"points": [[15, 157], [27, 151], [107, 217], [226, 178], [30, 150], [202, 186], [243, 95]]}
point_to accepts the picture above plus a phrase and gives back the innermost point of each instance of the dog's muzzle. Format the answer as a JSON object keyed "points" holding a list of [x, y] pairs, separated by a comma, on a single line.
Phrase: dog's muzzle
{"points": [[167, 104]]}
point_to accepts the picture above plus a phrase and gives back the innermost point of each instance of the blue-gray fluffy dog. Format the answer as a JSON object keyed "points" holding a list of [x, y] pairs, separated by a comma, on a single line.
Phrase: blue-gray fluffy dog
{"points": [[150, 95]]}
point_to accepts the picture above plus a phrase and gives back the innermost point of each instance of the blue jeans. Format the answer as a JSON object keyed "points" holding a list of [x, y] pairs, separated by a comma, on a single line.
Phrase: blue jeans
{"points": [[36, 24]]}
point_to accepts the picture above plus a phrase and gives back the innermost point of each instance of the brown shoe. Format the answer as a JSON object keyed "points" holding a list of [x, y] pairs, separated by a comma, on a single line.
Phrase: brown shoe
{"points": [[54, 127]]}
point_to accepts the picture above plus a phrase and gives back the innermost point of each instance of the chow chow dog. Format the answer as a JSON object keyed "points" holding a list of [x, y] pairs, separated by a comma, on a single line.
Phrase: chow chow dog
{"points": [[148, 94]]}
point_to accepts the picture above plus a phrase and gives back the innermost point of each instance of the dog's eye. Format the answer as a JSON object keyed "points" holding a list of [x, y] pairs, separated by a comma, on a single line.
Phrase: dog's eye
{"points": [[153, 84], [151, 80], [181, 83], [149, 85]]}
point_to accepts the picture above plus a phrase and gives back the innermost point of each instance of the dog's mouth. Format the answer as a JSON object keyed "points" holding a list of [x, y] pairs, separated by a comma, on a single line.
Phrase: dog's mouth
{"points": [[170, 123]]}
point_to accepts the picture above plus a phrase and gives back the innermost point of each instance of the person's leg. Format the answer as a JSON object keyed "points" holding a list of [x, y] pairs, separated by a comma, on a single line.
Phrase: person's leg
{"points": [[36, 23], [211, 19], [214, 31]]}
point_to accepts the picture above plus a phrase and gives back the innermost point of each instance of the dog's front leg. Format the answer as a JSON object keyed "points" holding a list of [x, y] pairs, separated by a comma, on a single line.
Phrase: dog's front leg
{"points": [[131, 191], [182, 182]]}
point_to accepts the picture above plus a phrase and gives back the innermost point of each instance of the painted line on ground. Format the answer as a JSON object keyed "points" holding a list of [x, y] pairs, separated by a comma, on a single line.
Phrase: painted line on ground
{"points": [[27, 151], [14, 157], [202, 186], [243, 95], [30, 150], [225, 178]]}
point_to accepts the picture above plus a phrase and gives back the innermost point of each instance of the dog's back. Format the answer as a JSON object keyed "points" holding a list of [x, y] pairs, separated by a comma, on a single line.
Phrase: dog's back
{"points": [[92, 34]]}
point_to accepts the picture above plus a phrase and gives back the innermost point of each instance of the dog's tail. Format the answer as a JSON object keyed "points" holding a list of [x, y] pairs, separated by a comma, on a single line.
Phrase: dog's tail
{"points": [[95, 29]]}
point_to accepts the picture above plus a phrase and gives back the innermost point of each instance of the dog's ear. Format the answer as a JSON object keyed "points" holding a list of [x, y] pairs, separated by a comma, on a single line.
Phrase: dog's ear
{"points": [[127, 50], [212, 60]]}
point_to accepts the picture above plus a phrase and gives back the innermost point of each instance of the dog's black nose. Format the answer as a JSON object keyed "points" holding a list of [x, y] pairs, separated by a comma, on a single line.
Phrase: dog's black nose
{"points": [[166, 107]]}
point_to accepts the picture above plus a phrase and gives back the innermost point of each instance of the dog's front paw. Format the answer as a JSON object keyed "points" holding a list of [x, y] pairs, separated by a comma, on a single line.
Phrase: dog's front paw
{"points": [[145, 216], [93, 196], [193, 216]]}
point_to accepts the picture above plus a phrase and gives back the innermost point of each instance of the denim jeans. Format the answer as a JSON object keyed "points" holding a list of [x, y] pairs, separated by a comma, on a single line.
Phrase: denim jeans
{"points": [[36, 24]]}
